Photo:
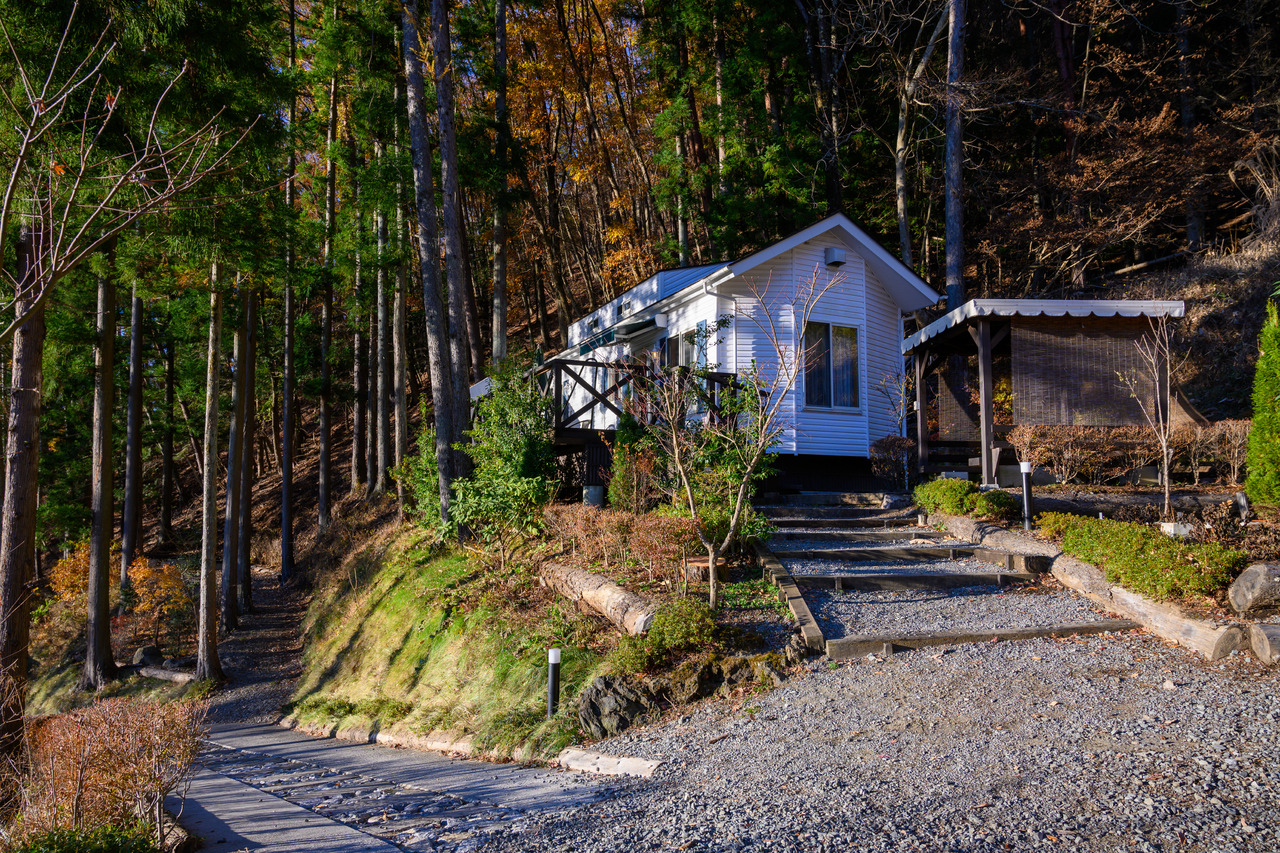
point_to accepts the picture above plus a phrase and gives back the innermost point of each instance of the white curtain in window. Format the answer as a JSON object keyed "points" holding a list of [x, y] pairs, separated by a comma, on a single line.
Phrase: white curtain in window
{"points": [[844, 366]]}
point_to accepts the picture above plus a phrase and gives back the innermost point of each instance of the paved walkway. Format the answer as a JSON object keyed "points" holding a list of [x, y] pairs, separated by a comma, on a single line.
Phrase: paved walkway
{"points": [[265, 788]]}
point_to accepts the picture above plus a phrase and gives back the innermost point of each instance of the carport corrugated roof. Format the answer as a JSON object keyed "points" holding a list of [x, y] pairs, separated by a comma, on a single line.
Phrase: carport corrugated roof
{"points": [[1043, 308]]}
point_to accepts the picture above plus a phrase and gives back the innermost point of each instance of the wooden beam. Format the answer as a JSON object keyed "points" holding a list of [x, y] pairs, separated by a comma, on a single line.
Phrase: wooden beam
{"points": [[593, 392], [986, 415], [918, 361], [852, 647], [936, 580]]}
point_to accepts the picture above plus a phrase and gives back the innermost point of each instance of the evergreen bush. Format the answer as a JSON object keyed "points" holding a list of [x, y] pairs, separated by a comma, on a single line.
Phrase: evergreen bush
{"points": [[1144, 560], [1263, 482]]}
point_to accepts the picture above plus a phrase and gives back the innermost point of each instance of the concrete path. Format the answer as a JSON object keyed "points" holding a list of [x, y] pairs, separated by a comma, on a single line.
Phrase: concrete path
{"points": [[232, 816], [267, 788]]}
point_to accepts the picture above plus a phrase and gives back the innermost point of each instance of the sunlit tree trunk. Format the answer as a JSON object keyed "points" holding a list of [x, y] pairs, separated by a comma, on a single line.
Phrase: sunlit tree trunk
{"points": [[452, 218], [207, 665], [438, 354], [21, 462], [325, 491], [245, 537], [288, 412], [382, 342], [230, 618], [955, 158], [131, 524], [166, 449], [99, 663], [500, 199]]}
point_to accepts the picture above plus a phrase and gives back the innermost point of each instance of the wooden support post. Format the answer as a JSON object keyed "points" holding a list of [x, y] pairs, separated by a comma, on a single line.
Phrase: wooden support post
{"points": [[919, 359], [986, 415]]}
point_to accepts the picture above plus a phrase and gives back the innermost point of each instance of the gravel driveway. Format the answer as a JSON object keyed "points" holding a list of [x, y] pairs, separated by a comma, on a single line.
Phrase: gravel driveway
{"points": [[914, 611], [1091, 744]]}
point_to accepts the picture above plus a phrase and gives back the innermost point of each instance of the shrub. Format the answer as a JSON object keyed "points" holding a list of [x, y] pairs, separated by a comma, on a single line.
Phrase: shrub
{"points": [[1231, 448], [109, 765], [893, 458], [946, 495], [635, 468], [1263, 483], [103, 839], [1144, 560], [961, 497], [514, 464], [679, 626], [996, 505], [419, 473], [162, 594]]}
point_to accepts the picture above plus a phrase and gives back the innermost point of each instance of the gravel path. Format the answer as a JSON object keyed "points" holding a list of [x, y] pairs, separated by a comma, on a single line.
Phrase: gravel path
{"points": [[262, 658], [914, 611], [1111, 743]]}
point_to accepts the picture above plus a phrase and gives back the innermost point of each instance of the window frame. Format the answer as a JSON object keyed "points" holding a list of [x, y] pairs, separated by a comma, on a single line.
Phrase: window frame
{"points": [[829, 370]]}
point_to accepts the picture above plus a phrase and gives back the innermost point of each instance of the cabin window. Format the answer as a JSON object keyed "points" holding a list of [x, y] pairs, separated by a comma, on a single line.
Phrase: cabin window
{"points": [[831, 366], [686, 349]]}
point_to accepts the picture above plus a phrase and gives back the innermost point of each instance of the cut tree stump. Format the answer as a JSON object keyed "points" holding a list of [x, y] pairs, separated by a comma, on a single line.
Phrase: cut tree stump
{"points": [[695, 569], [628, 612], [1265, 640], [1257, 589]]}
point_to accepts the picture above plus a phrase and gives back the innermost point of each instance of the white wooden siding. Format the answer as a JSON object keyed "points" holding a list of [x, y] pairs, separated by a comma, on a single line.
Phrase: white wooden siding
{"points": [[854, 298]]}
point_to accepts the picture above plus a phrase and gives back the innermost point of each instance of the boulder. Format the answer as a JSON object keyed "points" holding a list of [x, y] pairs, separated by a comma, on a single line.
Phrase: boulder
{"points": [[1257, 590], [148, 656], [704, 676], [610, 705], [796, 651]]}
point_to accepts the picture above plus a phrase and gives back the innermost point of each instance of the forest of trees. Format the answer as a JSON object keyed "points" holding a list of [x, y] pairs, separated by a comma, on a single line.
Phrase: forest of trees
{"points": [[233, 232]]}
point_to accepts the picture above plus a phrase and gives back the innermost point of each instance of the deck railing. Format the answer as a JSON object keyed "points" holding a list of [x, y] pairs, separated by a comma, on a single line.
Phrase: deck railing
{"points": [[561, 377]]}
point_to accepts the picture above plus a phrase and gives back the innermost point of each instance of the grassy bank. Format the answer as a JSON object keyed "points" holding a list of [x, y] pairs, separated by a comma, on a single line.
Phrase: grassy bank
{"points": [[416, 640]]}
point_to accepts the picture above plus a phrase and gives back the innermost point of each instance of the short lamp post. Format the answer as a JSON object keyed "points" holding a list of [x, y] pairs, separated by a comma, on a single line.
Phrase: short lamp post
{"points": [[553, 681], [1027, 510]]}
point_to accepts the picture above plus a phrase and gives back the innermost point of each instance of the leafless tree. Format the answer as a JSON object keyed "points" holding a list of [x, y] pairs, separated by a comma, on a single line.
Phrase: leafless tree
{"points": [[754, 421], [1151, 386], [75, 181], [82, 193]]}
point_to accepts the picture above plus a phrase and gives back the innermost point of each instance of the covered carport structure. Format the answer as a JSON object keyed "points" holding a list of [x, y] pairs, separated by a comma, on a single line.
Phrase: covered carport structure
{"points": [[1038, 361]]}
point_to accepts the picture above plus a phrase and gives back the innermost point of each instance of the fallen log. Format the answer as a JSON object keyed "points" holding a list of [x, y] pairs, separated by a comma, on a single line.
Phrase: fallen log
{"points": [[629, 612], [167, 674], [1265, 640], [1256, 590]]}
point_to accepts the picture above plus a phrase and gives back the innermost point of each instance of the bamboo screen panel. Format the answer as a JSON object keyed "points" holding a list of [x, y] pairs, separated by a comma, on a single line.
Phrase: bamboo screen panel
{"points": [[1065, 370], [958, 408]]}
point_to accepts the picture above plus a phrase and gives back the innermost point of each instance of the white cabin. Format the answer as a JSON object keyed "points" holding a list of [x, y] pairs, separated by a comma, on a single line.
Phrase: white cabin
{"points": [[854, 338]]}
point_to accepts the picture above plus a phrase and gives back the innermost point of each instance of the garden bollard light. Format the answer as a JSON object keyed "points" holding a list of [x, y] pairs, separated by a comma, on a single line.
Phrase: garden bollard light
{"points": [[1027, 511], [553, 681]]}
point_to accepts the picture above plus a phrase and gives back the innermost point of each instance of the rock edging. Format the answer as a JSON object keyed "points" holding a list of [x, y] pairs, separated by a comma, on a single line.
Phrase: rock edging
{"points": [[1164, 620]]}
